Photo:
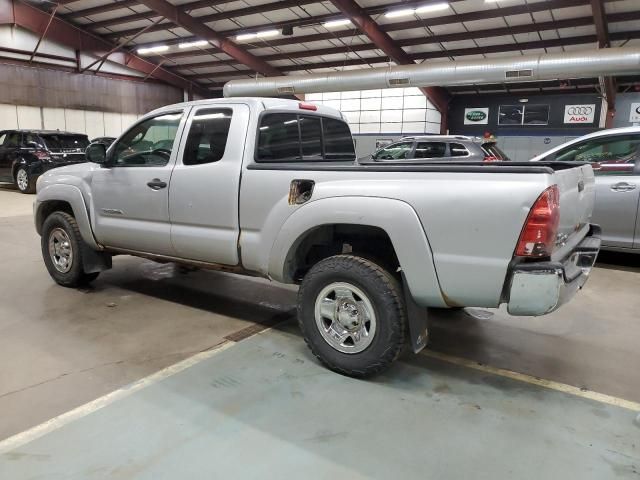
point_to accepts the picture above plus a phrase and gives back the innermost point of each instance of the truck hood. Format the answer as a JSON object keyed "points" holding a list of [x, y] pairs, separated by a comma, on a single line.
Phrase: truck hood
{"points": [[74, 174]]}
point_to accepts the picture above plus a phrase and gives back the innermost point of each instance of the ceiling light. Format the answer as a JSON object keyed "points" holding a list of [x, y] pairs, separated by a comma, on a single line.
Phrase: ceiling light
{"points": [[159, 48], [337, 23], [268, 33], [399, 13], [434, 7], [245, 36], [197, 43]]}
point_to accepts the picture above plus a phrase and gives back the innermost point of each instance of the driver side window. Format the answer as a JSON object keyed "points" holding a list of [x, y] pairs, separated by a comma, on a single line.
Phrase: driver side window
{"points": [[149, 143]]}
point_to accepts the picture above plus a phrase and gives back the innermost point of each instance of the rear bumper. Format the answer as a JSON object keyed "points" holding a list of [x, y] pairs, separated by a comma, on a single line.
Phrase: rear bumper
{"points": [[541, 287]]}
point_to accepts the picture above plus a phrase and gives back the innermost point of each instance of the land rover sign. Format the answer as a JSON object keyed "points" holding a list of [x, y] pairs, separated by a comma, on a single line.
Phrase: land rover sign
{"points": [[476, 116]]}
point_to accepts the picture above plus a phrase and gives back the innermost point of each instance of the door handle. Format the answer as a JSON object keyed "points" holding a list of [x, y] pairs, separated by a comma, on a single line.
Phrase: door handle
{"points": [[623, 187], [156, 184]]}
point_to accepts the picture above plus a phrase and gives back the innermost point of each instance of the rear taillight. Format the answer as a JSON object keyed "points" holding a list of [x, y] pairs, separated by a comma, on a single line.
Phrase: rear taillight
{"points": [[491, 158], [538, 236]]}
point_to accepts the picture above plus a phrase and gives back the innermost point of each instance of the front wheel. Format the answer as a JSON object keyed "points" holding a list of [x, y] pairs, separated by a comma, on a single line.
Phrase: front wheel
{"points": [[352, 315], [24, 181], [62, 250]]}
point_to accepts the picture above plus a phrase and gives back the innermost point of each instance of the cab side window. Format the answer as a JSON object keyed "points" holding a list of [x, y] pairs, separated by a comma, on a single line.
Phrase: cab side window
{"points": [[207, 139], [149, 143], [607, 155]]}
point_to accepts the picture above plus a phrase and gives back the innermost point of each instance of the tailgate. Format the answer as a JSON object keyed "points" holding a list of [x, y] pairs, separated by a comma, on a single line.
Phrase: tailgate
{"points": [[577, 193]]}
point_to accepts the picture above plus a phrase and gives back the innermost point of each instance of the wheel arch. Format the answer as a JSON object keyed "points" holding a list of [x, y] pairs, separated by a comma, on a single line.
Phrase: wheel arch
{"points": [[67, 198], [386, 230]]}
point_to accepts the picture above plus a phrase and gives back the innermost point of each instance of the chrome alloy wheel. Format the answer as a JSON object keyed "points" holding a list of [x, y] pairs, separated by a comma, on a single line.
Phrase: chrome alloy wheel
{"points": [[60, 250], [345, 317], [22, 179]]}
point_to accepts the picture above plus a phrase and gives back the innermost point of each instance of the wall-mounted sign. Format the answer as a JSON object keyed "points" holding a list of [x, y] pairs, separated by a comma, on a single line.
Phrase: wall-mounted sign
{"points": [[579, 113], [476, 116], [634, 113]]}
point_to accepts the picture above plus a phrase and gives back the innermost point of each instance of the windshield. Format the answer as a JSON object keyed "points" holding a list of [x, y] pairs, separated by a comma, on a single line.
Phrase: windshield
{"points": [[60, 141]]}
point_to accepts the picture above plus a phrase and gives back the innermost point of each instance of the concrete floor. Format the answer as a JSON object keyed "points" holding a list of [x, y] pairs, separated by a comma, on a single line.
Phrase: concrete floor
{"points": [[264, 408], [61, 348]]}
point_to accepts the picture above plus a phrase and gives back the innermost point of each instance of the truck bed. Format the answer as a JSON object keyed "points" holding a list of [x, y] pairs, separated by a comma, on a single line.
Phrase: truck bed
{"points": [[465, 167]]}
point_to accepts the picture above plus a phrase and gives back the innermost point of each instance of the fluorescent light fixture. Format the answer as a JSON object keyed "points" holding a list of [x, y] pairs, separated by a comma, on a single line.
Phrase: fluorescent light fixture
{"points": [[337, 23], [197, 43], [245, 36], [434, 7], [268, 33], [400, 13], [289, 122], [159, 48]]}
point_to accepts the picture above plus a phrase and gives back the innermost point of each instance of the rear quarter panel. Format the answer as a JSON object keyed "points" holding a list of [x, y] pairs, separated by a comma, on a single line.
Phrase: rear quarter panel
{"points": [[471, 222]]}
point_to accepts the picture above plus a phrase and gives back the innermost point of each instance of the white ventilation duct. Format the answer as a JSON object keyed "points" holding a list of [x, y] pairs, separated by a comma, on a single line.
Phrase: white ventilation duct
{"points": [[545, 66]]}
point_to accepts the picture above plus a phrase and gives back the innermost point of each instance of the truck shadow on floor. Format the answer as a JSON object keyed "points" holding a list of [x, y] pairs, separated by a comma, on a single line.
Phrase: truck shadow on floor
{"points": [[214, 292], [629, 262]]}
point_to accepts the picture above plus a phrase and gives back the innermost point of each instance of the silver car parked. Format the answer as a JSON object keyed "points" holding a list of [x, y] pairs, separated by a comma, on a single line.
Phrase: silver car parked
{"points": [[614, 155], [440, 148]]}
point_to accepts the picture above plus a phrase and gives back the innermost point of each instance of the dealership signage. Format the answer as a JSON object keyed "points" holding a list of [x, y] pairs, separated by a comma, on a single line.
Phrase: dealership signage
{"points": [[579, 113], [634, 114], [476, 116]]}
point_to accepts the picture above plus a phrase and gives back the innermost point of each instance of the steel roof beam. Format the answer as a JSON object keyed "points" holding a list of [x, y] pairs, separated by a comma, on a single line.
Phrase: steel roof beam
{"points": [[391, 27], [447, 37], [602, 32], [203, 32], [437, 95], [34, 20]]}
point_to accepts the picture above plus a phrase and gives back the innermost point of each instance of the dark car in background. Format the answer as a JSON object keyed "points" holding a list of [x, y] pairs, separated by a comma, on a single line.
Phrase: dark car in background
{"points": [[440, 148], [26, 154]]}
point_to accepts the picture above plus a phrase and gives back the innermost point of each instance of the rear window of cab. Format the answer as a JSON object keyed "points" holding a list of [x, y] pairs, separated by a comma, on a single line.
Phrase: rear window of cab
{"points": [[293, 137]]}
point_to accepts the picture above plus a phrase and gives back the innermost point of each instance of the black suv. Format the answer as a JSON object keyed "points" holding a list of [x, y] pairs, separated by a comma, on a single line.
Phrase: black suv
{"points": [[26, 154]]}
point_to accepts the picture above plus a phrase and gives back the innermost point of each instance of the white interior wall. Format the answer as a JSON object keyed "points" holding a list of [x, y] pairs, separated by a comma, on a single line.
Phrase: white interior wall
{"points": [[93, 123], [393, 111]]}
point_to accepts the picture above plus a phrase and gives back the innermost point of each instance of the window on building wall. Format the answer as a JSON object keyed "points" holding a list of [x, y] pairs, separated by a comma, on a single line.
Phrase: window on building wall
{"points": [[523, 115], [536, 115]]}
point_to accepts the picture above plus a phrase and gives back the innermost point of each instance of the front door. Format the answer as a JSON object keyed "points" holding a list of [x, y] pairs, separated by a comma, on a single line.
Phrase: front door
{"points": [[131, 195], [615, 163], [205, 183]]}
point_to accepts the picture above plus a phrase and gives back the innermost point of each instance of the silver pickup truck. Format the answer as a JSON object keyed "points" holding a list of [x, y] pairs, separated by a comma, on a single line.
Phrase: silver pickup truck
{"points": [[271, 188]]}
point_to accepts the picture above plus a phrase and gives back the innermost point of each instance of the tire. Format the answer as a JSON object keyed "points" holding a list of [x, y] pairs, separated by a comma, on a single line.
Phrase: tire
{"points": [[24, 182], [61, 229], [359, 288]]}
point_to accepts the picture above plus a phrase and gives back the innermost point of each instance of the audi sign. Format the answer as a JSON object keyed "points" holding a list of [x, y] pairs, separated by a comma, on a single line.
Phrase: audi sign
{"points": [[579, 113]]}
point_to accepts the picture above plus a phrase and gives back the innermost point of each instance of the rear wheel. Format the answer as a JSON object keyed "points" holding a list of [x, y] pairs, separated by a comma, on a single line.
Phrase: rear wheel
{"points": [[62, 245], [352, 315], [24, 181]]}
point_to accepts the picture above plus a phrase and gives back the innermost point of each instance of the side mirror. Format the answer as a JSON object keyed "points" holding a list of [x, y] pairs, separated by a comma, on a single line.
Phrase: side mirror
{"points": [[96, 153]]}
